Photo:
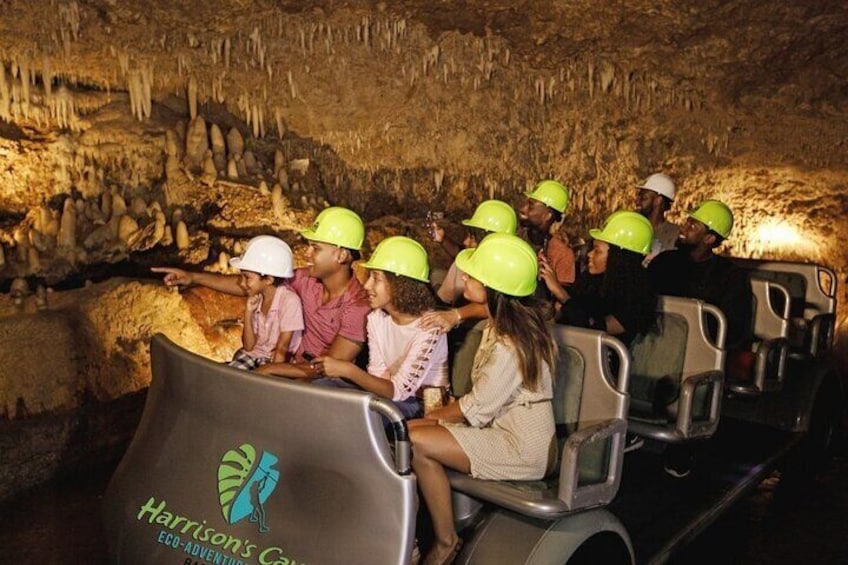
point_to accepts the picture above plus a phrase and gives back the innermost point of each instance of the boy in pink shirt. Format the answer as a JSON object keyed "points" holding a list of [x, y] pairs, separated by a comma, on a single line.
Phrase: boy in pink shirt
{"points": [[273, 317]]}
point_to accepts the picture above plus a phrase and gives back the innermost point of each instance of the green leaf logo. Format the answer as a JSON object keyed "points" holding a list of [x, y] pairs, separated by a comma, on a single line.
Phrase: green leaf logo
{"points": [[244, 485]]}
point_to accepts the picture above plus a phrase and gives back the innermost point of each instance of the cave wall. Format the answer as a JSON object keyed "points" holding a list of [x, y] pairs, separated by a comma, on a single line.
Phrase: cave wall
{"points": [[142, 132]]}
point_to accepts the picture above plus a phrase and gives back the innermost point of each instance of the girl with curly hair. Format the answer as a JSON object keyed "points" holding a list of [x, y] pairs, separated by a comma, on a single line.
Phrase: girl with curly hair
{"points": [[402, 356]]}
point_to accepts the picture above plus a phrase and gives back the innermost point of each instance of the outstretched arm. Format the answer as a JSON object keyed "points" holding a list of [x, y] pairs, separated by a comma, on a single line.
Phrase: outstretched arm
{"points": [[227, 284]]}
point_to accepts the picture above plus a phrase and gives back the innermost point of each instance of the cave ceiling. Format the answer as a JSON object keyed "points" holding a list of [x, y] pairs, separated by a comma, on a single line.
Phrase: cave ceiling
{"points": [[394, 108]]}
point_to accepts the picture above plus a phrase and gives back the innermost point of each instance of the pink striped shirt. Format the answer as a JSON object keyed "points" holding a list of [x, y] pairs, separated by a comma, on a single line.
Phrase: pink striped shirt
{"points": [[344, 316], [284, 315]]}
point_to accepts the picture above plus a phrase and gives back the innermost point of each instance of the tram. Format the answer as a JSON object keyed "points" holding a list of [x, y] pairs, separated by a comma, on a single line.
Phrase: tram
{"points": [[227, 467]]}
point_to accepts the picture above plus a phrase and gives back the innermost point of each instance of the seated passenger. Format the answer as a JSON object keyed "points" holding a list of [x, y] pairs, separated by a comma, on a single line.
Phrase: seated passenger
{"points": [[694, 270], [614, 295], [540, 216], [504, 428], [334, 302], [273, 317], [653, 200], [402, 357], [491, 216]]}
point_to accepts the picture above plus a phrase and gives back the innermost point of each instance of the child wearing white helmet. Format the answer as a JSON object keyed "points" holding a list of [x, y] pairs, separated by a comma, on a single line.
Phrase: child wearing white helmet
{"points": [[273, 316]]}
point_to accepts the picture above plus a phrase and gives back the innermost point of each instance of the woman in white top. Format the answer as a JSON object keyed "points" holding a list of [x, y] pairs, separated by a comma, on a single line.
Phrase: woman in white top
{"points": [[402, 357], [504, 428]]}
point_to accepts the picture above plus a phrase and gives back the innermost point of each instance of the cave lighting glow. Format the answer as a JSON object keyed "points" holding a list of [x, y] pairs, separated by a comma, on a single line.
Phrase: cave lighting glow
{"points": [[779, 233]]}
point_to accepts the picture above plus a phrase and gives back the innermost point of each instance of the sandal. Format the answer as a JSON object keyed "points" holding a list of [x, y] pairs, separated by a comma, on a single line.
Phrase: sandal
{"points": [[451, 557]]}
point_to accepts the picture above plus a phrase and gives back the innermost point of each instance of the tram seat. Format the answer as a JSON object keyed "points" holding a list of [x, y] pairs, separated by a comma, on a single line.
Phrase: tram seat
{"points": [[772, 305], [464, 343], [328, 453], [812, 289], [677, 373], [590, 408]]}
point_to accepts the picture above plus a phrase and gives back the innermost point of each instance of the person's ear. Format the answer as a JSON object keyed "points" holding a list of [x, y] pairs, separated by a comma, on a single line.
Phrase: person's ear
{"points": [[710, 239], [343, 256]]}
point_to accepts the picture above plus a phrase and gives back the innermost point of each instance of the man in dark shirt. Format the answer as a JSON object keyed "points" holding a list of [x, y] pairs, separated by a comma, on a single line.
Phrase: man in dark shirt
{"points": [[694, 270]]}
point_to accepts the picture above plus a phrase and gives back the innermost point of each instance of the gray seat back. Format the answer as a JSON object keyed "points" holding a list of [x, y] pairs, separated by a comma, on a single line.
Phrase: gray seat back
{"points": [[586, 394], [769, 321], [256, 468], [813, 296], [680, 354], [590, 407]]}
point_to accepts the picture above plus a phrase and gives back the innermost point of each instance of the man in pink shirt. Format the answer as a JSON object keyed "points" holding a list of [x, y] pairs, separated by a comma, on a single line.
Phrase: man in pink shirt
{"points": [[334, 303]]}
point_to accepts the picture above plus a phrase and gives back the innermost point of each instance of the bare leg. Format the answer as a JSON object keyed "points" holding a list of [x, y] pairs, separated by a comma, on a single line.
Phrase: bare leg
{"points": [[434, 448]]}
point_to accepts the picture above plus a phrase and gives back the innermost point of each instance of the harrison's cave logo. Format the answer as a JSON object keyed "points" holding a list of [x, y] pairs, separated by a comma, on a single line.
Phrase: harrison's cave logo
{"points": [[245, 481]]}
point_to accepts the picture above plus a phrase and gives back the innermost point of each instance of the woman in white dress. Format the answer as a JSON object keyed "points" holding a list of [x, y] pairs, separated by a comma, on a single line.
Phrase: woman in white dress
{"points": [[504, 427]]}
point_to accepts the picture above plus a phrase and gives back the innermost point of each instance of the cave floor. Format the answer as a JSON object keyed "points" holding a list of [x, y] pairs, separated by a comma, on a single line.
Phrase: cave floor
{"points": [[59, 523]]}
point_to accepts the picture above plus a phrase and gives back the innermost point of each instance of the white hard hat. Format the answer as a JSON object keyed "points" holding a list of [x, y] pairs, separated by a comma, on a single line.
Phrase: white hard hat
{"points": [[266, 255], [661, 184]]}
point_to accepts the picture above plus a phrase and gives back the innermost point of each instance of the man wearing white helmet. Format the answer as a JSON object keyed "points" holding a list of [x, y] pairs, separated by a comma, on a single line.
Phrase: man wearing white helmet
{"points": [[653, 200]]}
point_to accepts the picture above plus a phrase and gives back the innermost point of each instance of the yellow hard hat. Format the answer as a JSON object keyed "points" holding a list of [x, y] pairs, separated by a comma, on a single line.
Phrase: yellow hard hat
{"points": [[502, 262], [628, 230], [493, 216], [337, 226], [401, 256], [715, 215], [552, 194]]}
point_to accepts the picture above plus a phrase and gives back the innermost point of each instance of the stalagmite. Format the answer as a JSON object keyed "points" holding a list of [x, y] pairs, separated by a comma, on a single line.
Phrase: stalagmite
{"points": [[33, 260], [219, 147], [223, 261], [232, 169], [197, 143], [235, 142], [240, 166], [279, 161], [41, 297], [40, 241], [250, 162], [138, 207], [210, 171], [182, 236], [192, 97], [263, 189], [67, 236], [277, 204], [106, 205], [126, 228], [18, 290], [102, 235], [119, 205], [172, 143], [167, 237], [283, 178]]}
